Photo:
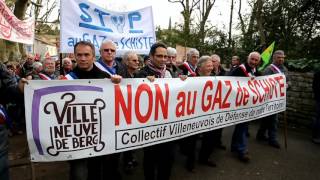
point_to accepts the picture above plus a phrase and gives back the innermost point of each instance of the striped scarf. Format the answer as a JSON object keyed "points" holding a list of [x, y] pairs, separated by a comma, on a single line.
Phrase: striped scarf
{"points": [[159, 73]]}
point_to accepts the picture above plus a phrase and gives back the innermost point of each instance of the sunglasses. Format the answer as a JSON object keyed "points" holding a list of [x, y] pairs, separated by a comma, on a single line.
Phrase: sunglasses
{"points": [[109, 50]]}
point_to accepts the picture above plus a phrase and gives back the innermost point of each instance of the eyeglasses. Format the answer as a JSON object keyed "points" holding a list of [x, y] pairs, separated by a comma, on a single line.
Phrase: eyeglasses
{"points": [[171, 57], [161, 56], [109, 50], [135, 60]]}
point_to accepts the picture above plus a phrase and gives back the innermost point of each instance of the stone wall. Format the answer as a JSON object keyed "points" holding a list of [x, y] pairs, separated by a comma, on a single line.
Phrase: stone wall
{"points": [[300, 99]]}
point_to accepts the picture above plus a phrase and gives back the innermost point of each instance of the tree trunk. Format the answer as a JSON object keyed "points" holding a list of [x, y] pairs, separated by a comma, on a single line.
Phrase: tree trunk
{"points": [[230, 25], [205, 12], [10, 51], [260, 22]]}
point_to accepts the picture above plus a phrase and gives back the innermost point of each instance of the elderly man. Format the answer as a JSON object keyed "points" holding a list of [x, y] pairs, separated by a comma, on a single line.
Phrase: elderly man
{"points": [[102, 167], [66, 65], [171, 62], [239, 138], [8, 88], [27, 68], [188, 145], [107, 62], [218, 70], [189, 67], [48, 72], [37, 68], [269, 124]]}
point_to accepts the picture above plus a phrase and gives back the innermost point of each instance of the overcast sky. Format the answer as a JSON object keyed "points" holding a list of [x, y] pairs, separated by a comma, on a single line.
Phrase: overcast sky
{"points": [[163, 10]]}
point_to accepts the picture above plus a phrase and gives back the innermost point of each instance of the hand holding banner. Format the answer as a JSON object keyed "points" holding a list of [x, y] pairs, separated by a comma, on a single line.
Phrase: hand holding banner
{"points": [[84, 118]]}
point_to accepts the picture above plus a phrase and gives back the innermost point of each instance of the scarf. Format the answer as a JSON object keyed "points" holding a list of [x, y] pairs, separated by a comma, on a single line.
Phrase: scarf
{"points": [[160, 73]]}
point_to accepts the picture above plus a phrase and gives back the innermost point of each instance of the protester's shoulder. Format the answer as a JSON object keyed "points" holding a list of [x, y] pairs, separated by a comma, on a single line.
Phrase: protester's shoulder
{"points": [[2, 68], [35, 77], [101, 74], [223, 72], [268, 70], [143, 72], [121, 68], [259, 73], [236, 72]]}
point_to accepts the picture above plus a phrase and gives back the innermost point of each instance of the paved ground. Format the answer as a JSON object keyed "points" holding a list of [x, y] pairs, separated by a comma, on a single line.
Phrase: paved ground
{"points": [[301, 161]]}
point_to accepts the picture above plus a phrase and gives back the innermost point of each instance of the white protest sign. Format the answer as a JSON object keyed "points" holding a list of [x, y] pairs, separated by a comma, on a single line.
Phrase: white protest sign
{"points": [[82, 20], [85, 118]]}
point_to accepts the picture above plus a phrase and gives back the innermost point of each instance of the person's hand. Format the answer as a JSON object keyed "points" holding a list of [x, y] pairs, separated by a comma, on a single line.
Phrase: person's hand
{"points": [[22, 82], [61, 77], [116, 79], [151, 78], [183, 77]]}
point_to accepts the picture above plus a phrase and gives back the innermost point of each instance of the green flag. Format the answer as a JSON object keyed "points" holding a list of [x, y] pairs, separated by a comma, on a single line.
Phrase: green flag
{"points": [[266, 56]]}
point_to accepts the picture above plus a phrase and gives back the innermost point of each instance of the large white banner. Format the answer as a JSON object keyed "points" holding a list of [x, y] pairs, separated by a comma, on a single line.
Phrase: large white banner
{"points": [[82, 20], [85, 118], [13, 29]]}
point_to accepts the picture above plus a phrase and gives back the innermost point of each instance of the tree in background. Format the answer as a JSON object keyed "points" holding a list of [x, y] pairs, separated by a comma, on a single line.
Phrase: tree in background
{"points": [[10, 51]]}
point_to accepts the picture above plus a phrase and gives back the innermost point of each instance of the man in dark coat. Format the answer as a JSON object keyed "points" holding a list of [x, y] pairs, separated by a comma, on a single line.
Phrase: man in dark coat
{"points": [[158, 159], [10, 91], [239, 138]]}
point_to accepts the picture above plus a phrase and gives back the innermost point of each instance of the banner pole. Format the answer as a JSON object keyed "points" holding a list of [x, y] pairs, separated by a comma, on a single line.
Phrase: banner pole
{"points": [[33, 172], [285, 130]]}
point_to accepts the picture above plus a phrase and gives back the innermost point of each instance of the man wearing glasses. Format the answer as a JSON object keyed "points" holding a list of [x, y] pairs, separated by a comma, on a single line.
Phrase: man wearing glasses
{"points": [[158, 159], [107, 61]]}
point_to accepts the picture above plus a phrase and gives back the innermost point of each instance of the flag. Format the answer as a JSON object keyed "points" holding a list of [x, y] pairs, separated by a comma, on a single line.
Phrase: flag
{"points": [[4, 117], [266, 56]]}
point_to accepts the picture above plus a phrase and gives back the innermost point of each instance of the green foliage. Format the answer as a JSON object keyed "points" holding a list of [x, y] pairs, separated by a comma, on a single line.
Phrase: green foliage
{"points": [[303, 64]]}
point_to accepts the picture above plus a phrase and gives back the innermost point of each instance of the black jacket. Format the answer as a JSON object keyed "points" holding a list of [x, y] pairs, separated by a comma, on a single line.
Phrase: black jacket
{"points": [[316, 86], [144, 72], [9, 90], [239, 72], [94, 73], [222, 72]]}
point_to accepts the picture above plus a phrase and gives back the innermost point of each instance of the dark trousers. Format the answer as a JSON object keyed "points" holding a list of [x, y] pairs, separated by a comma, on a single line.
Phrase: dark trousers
{"points": [[95, 168], [217, 136], [128, 156], [268, 125], [208, 142], [157, 161], [4, 162], [316, 123], [188, 148], [239, 141]]}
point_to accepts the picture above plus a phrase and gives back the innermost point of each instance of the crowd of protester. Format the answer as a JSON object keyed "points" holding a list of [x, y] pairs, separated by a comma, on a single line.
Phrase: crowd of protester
{"points": [[159, 63]]}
